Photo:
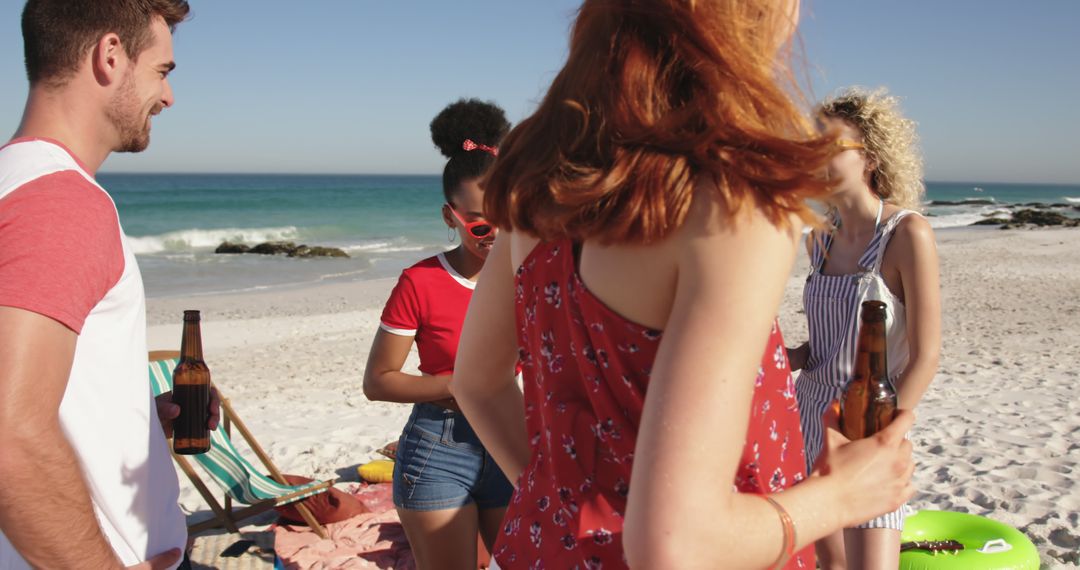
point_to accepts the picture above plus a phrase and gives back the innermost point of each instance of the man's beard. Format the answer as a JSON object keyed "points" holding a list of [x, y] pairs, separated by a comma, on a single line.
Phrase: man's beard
{"points": [[124, 111]]}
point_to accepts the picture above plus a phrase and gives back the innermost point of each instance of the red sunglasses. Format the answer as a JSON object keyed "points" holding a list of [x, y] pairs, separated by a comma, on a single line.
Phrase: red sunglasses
{"points": [[478, 229]]}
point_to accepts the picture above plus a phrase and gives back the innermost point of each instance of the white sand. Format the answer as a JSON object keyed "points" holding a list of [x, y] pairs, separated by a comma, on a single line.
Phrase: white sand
{"points": [[998, 433]]}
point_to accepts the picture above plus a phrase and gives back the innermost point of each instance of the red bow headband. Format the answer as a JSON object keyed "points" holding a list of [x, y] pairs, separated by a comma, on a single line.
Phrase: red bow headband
{"points": [[469, 145]]}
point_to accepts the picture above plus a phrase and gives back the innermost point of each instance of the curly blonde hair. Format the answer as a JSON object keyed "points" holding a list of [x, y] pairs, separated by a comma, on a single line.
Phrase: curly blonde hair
{"points": [[890, 141]]}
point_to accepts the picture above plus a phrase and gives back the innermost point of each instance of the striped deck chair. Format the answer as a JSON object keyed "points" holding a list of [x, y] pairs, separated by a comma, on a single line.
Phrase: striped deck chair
{"points": [[240, 481]]}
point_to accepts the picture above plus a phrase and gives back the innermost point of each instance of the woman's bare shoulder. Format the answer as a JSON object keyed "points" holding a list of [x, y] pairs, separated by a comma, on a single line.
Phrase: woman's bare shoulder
{"points": [[913, 231], [521, 245]]}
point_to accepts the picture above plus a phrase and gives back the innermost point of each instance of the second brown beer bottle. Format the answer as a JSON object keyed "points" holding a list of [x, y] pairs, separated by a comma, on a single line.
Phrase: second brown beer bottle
{"points": [[191, 391], [869, 403]]}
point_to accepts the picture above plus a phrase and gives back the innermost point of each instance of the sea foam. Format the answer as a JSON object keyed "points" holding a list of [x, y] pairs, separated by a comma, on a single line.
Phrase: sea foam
{"points": [[196, 239]]}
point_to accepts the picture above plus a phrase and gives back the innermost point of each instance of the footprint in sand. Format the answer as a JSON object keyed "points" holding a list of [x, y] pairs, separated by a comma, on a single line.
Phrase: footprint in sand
{"points": [[1065, 539], [979, 498]]}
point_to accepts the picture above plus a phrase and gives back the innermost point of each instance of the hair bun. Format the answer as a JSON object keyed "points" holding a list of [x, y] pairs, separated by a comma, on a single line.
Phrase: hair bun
{"points": [[483, 122]]}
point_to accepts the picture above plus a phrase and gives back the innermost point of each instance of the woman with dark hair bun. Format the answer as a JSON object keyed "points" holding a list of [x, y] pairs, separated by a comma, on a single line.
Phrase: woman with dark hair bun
{"points": [[446, 486]]}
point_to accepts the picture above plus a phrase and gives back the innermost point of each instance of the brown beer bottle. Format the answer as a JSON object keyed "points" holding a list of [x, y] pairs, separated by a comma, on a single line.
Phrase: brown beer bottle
{"points": [[869, 403], [191, 391]]}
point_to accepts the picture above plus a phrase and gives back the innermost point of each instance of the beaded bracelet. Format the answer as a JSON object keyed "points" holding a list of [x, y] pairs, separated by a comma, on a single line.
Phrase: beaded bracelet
{"points": [[788, 549]]}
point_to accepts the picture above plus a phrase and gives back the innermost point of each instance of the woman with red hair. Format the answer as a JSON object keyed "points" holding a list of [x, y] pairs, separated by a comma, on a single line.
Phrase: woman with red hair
{"points": [[650, 212]]}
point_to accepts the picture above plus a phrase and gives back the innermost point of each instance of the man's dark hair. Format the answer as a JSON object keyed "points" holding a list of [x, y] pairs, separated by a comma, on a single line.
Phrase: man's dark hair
{"points": [[58, 33]]}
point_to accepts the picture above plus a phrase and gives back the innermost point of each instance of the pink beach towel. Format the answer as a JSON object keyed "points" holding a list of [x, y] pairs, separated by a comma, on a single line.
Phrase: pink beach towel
{"points": [[369, 540]]}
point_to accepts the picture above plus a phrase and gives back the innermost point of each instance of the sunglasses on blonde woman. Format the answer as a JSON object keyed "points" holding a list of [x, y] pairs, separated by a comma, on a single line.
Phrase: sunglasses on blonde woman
{"points": [[478, 229], [848, 144]]}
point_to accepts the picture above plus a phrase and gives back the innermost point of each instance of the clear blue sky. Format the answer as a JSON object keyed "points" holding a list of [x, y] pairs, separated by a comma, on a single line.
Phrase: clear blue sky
{"points": [[349, 86]]}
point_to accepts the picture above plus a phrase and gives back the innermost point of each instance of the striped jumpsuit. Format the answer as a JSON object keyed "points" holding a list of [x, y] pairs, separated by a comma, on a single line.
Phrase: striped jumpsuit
{"points": [[831, 303]]}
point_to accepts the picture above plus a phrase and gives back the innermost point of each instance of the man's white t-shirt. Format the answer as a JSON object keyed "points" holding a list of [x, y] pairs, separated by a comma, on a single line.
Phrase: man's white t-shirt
{"points": [[63, 254]]}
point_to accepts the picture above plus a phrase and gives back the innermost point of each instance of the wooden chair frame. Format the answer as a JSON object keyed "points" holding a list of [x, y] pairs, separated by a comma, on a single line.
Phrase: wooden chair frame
{"points": [[224, 515]]}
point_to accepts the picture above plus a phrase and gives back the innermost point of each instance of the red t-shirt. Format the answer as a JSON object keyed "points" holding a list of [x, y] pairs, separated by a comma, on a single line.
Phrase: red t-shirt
{"points": [[429, 302]]}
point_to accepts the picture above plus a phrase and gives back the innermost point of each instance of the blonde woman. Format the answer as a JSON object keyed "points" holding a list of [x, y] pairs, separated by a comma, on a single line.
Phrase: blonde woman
{"points": [[879, 248]]}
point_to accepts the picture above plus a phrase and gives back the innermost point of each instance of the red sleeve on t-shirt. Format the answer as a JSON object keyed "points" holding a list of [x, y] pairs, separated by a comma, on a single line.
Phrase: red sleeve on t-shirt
{"points": [[60, 248], [401, 315]]}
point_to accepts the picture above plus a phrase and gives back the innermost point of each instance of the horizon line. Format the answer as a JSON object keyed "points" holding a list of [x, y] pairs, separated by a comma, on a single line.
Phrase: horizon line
{"points": [[437, 174]]}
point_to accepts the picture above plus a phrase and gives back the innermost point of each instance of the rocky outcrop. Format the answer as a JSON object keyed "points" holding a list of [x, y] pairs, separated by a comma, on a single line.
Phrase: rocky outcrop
{"points": [[317, 251], [230, 247], [1041, 218], [991, 222], [287, 248], [274, 248], [1028, 217]]}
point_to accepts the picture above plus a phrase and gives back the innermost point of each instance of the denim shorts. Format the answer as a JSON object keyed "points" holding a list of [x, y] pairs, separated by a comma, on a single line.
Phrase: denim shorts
{"points": [[441, 464]]}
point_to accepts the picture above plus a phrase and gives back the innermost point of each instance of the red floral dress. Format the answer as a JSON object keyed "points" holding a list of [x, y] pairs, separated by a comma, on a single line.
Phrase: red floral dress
{"points": [[585, 371]]}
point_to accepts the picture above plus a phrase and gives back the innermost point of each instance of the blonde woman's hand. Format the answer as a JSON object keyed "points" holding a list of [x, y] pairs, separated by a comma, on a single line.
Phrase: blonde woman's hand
{"points": [[873, 475]]}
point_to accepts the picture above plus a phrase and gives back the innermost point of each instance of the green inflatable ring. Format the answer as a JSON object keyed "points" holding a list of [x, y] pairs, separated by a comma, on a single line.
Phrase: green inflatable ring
{"points": [[988, 544]]}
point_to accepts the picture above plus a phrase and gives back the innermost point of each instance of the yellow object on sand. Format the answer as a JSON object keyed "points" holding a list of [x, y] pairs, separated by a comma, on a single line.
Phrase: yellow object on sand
{"points": [[378, 471]]}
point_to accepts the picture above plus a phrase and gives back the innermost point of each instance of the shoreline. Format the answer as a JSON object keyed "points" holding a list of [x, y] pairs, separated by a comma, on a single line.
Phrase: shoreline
{"points": [[997, 433], [350, 278]]}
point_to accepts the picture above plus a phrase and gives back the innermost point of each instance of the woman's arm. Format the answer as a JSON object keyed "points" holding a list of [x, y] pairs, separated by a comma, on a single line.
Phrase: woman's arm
{"points": [[731, 276], [384, 380], [917, 261], [487, 351]]}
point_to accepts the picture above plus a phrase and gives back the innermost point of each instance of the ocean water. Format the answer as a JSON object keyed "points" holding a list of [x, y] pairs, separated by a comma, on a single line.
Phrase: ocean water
{"points": [[174, 222], [385, 223], [957, 204]]}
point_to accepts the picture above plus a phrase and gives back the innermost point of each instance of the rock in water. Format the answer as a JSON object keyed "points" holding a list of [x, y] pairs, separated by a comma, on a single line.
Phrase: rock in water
{"points": [[1039, 218], [282, 247], [990, 222], [274, 248], [318, 251], [229, 247]]}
